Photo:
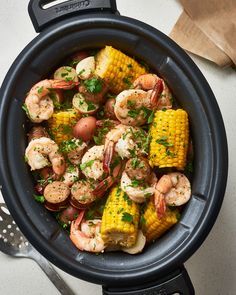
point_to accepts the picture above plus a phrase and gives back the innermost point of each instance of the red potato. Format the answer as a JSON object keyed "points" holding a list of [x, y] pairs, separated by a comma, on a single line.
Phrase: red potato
{"points": [[78, 56], [109, 108], [85, 128], [84, 107], [69, 214]]}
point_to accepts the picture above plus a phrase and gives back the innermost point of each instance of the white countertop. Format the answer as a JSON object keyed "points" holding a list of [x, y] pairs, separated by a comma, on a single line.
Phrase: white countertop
{"points": [[213, 267]]}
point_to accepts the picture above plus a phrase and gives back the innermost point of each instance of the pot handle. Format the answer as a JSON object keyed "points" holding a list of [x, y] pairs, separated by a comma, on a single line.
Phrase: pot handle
{"points": [[41, 16], [177, 283]]}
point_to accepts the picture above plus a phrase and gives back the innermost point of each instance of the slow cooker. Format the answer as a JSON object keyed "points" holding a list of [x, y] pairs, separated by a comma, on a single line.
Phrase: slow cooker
{"points": [[80, 24]]}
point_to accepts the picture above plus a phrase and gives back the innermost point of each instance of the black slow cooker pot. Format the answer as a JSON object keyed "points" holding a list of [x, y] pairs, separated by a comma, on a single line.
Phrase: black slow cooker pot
{"points": [[64, 29]]}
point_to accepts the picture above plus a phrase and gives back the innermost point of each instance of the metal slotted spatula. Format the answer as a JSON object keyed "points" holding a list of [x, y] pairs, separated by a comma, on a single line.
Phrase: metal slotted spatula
{"points": [[13, 242]]}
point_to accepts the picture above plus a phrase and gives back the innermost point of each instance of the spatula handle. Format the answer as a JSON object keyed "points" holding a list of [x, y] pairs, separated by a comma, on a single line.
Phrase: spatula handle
{"points": [[59, 283]]}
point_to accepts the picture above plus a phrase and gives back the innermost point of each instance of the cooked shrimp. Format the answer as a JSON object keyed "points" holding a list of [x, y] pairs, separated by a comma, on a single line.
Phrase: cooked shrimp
{"points": [[43, 152], [92, 162], [71, 175], [85, 234], [148, 82], [129, 106], [137, 191], [82, 194], [115, 174], [132, 106], [39, 104], [145, 82], [173, 189], [127, 141], [111, 139]]}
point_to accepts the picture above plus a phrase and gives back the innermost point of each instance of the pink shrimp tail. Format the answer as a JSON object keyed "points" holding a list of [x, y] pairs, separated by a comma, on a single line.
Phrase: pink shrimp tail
{"points": [[62, 84], [79, 219], [103, 186], [108, 155], [160, 204], [156, 92]]}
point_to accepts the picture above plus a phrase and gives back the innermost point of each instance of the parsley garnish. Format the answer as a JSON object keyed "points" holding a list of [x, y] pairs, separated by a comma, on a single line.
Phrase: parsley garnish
{"points": [[135, 183], [64, 75], [90, 105], [86, 164], [127, 199], [66, 129], [24, 107], [163, 141], [151, 117], [38, 198], [189, 167], [127, 81], [133, 113], [127, 217], [93, 85], [142, 220], [81, 72], [169, 153], [130, 103], [100, 136], [135, 162], [40, 90]]}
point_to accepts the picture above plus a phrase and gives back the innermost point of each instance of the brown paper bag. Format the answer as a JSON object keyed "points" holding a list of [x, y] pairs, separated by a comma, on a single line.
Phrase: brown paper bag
{"points": [[217, 20], [192, 39]]}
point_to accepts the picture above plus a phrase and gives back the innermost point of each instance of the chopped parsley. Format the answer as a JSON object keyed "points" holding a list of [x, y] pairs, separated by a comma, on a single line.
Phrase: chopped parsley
{"points": [[126, 198], [127, 217], [91, 106], [40, 90], [81, 72], [24, 107], [66, 129], [135, 183], [163, 141], [86, 164], [189, 167], [142, 220], [64, 75], [130, 103], [127, 81], [38, 198], [169, 153], [136, 163], [100, 135], [133, 113], [151, 117], [93, 85]]}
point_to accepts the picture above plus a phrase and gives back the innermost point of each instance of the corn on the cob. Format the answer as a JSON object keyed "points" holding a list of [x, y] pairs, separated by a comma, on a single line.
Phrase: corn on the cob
{"points": [[117, 69], [152, 226], [169, 139], [61, 124], [120, 219]]}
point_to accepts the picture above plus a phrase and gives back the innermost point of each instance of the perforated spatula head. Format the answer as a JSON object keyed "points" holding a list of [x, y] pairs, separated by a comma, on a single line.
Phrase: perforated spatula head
{"points": [[12, 241]]}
